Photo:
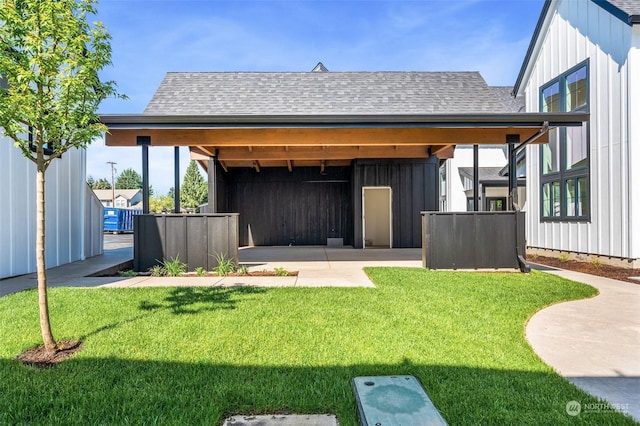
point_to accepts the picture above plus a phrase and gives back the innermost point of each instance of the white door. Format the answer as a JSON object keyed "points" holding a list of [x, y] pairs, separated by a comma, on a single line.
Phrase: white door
{"points": [[377, 224]]}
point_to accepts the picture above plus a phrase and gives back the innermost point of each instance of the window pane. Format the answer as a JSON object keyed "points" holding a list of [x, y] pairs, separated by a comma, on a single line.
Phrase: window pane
{"points": [[556, 198], [576, 89], [571, 197], [582, 203], [546, 200], [551, 98], [551, 154], [576, 156]]}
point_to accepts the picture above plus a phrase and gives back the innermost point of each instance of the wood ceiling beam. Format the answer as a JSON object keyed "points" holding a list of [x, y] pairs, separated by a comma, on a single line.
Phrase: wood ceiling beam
{"points": [[319, 153], [256, 137]]}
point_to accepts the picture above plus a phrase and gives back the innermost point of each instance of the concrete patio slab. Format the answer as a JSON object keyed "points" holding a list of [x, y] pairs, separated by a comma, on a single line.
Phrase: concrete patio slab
{"points": [[282, 420]]}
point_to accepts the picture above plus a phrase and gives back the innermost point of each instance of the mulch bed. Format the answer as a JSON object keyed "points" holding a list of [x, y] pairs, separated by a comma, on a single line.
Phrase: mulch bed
{"points": [[40, 358], [248, 274], [616, 273]]}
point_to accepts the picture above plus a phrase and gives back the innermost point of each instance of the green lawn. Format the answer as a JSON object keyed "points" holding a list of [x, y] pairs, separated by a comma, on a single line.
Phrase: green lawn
{"points": [[195, 355]]}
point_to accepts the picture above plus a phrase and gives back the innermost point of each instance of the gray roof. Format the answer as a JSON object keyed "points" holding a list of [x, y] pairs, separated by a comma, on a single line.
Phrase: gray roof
{"points": [[485, 174], [330, 93], [630, 7], [512, 104]]}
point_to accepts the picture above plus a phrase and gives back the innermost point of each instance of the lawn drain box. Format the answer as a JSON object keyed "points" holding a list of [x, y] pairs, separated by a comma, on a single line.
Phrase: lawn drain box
{"points": [[394, 400]]}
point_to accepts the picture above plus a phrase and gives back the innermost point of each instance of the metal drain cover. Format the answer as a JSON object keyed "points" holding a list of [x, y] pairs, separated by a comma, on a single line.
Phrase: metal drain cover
{"points": [[394, 401]]}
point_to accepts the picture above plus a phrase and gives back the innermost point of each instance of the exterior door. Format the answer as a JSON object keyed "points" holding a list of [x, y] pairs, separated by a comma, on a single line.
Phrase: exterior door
{"points": [[377, 221]]}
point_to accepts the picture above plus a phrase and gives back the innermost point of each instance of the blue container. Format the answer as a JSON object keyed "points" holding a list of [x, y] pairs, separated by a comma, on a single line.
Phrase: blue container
{"points": [[119, 220]]}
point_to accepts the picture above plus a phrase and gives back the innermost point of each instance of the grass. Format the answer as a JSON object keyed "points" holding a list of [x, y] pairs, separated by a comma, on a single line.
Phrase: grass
{"points": [[195, 355]]}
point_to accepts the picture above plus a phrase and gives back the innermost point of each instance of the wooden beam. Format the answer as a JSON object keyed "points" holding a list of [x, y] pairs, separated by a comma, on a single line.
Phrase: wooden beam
{"points": [[224, 165], [256, 165], [290, 165], [255, 137], [318, 153]]}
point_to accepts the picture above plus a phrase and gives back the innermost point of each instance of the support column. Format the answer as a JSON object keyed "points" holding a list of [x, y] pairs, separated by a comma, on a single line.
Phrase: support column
{"points": [[212, 169], [176, 179], [144, 142], [513, 141], [476, 180]]}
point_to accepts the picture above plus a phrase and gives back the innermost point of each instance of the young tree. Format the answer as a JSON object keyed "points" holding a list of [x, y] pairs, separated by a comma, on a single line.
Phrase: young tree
{"points": [[50, 55], [91, 181], [194, 189]]}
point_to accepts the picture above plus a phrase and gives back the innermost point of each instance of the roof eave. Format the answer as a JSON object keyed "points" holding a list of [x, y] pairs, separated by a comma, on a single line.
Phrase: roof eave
{"points": [[531, 48], [147, 121]]}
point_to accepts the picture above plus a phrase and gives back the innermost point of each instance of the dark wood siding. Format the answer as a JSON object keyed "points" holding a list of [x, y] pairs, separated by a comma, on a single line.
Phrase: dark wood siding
{"points": [[414, 184], [302, 207]]}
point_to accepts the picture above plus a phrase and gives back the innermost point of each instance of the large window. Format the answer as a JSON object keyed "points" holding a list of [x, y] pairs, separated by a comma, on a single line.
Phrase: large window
{"points": [[564, 171]]}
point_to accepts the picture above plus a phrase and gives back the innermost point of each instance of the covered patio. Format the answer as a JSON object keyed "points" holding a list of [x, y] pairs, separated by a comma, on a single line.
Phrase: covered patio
{"points": [[348, 152], [318, 158]]}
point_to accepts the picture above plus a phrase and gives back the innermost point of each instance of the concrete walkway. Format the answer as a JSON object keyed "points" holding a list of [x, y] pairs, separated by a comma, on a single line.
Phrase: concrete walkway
{"points": [[316, 266], [594, 343]]}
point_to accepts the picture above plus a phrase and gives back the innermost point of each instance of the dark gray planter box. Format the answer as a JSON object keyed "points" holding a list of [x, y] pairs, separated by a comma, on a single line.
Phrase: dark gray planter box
{"points": [[193, 238], [473, 240]]}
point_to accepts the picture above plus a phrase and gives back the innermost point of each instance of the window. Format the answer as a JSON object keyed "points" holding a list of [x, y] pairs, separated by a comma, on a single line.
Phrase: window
{"points": [[564, 170], [496, 204]]}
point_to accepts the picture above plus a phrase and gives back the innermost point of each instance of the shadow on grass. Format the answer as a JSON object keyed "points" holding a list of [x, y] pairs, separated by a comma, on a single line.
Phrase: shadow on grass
{"points": [[193, 300], [186, 300], [116, 391]]}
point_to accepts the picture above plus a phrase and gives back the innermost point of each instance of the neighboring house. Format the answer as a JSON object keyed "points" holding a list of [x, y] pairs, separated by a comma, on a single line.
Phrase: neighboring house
{"points": [[73, 214], [124, 198], [456, 174], [583, 188], [305, 157], [456, 180]]}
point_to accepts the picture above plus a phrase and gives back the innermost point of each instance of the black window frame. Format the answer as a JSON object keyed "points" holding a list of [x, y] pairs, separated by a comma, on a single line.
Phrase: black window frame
{"points": [[564, 175]]}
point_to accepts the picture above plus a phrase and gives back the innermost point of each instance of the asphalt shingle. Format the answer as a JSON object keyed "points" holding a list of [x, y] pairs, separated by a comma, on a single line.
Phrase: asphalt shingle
{"points": [[630, 7], [328, 93]]}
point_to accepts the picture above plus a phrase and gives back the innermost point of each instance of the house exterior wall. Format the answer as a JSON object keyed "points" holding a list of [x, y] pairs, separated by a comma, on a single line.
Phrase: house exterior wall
{"points": [[280, 208], [65, 201], [575, 32], [414, 186]]}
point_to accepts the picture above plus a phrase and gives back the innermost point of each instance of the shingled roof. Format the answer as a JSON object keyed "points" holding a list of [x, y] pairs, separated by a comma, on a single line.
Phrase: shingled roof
{"points": [[630, 7], [313, 93]]}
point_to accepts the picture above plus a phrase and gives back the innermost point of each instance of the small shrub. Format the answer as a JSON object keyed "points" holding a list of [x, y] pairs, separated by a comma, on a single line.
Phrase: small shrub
{"points": [[225, 265], [128, 273], [243, 270], [174, 267], [158, 271], [564, 257], [596, 262], [281, 272], [200, 271]]}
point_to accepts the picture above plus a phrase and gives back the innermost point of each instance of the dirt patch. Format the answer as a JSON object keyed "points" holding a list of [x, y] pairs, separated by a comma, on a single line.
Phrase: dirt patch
{"points": [[40, 358], [621, 274]]}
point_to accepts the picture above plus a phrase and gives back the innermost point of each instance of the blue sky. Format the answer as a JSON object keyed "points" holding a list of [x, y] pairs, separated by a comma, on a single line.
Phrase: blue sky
{"points": [[152, 37]]}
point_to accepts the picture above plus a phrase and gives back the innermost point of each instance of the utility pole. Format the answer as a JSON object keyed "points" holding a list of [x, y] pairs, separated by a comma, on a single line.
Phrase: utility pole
{"points": [[113, 186]]}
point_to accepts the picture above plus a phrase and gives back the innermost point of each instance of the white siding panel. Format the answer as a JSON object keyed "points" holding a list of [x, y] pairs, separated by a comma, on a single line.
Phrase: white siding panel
{"points": [[580, 30], [65, 197], [632, 140]]}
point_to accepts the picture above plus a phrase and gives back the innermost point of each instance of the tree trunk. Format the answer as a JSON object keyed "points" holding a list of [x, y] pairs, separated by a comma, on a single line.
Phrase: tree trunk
{"points": [[43, 303]]}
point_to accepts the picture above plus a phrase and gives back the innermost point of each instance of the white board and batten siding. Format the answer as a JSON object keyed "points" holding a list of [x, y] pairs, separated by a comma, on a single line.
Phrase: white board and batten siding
{"points": [[70, 215], [573, 32]]}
